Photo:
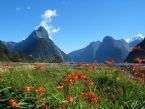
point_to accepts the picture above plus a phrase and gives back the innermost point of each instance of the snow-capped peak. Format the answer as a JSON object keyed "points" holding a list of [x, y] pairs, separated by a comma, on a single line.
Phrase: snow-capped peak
{"points": [[137, 37]]}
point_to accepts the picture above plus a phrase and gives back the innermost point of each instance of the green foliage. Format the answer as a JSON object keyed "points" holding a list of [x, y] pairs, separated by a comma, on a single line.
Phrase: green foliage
{"points": [[111, 87], [4, 53]]}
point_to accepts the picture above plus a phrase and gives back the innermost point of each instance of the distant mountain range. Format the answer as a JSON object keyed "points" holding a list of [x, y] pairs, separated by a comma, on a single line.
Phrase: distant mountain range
{"points": [[87, 54], [41, 47], [109, 48], [135, 40]]}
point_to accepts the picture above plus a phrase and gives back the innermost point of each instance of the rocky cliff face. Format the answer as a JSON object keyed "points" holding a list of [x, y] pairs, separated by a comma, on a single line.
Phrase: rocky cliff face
{"points": [[110, 48], [40, 46]]}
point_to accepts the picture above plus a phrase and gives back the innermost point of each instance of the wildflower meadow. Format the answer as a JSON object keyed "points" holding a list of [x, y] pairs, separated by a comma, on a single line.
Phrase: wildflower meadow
{"points": [[81, 86]]}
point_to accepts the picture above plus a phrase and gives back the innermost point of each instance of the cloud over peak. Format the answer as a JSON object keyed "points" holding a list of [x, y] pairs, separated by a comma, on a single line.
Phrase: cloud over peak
{"points": [[46, 20], [48, 14]]}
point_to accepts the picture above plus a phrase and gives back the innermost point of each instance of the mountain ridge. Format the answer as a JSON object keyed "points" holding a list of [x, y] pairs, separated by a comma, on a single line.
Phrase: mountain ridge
{"points": [[92, 52]]}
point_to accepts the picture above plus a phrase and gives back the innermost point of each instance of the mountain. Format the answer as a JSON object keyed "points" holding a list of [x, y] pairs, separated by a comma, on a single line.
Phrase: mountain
{"points": [[86, 54], [40, 46], [110, 48], [137, 52], [4, 53], [10, 45], [134, 40]]}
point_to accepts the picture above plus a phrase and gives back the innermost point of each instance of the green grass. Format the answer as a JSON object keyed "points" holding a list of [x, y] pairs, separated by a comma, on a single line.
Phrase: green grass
{"points": [[112, 89]]}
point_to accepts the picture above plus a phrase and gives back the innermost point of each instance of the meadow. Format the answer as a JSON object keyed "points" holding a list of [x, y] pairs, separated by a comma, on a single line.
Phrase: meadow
{"points": [[81, 86]]}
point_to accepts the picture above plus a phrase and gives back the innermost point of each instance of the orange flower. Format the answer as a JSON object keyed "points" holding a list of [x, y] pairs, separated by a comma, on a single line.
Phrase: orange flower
{"points": [[74, 77], [113, 97], [142, 74], [138, 60], [90, 83], [120, 91], [109, 62], [40, 90], [12, 103], [136, 73], [70, 100], [91, 67], [83, 93], [27, 89], [44, 106], [68, 82], [90, 96], [59, 87], [40, 67], [135, 48], [82, 76], [79, 65]]}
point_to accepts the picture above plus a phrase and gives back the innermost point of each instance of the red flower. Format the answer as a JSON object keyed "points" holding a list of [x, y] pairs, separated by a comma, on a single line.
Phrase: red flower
{"points": [[44, 106], [70, 100], [120, 91], [113, 97], [27, 89], [82, 76], [79, 65], [90, 96], [40, 90], [12, 103], [135, 48], [40, 67], [74, 77], [90, 83], [142, 74], [91, 67], [109, 62], [138, 60], [59, 87], [68, 82]]}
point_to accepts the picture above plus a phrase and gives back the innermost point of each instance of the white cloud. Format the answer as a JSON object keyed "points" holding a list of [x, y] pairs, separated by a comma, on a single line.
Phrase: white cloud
{"points": [[137, 37], [18, 9], [140, 35], [46, 20], [28, 7], [48, 14]]}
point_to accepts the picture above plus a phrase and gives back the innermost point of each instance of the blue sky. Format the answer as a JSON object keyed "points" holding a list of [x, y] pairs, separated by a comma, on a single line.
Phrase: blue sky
{"points": [[80, 21]]}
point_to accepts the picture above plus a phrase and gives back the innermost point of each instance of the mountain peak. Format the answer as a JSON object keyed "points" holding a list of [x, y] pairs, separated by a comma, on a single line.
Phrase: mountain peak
{"points": [[139, 37], [41, 28], [107, 38], [41, 32]]}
